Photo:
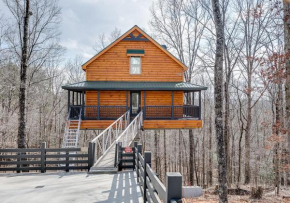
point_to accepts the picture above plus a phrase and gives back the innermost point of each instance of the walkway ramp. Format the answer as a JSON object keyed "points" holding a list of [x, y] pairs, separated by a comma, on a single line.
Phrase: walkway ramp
{"points": [[105, 143]]}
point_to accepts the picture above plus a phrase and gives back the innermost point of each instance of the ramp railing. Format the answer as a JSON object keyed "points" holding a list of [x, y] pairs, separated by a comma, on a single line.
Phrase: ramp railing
{"points": [[131, 131], [103, 142]]}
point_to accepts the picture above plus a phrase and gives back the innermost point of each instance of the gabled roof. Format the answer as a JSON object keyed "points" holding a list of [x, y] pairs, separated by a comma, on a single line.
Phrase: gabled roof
{"points": [[123, 36], [121, 85]]}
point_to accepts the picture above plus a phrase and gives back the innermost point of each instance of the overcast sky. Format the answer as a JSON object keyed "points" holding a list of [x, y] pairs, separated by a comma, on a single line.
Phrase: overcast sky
{"points": [[84, 20]]}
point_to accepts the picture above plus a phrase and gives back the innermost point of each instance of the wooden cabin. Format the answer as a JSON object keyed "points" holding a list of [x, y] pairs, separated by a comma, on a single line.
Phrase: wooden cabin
{"points": [[135, 73]]}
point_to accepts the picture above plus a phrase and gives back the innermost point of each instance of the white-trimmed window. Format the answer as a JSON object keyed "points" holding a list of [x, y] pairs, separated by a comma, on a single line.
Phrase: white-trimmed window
{"points": [[135, 65]]}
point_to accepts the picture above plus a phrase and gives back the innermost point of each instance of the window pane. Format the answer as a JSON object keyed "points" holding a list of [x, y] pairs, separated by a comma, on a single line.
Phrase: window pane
{"points": [[135, 60], [135, 65]]}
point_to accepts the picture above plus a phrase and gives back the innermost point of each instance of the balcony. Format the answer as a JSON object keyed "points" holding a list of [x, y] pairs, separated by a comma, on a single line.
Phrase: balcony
{"points": [[149, 112]]}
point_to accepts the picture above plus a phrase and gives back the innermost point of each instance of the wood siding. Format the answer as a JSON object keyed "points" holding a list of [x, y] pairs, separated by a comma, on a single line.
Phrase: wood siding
{"points": [[114, 64], [96, 124], [148, 124], [172, 124], [107, 98], [118, 98]]}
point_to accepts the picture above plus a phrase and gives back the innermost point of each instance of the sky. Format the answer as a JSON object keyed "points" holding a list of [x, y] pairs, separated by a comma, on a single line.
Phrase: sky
{"points": [[84, 20]]}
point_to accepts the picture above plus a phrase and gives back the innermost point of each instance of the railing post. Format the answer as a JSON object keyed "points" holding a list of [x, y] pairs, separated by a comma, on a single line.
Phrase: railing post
{"points": [[172, 105], [147, 160], [134, 155], [91, 152], [139, 150], [67, 159], [98, 113], [116, 154], [144, 105], [199, 103], [83, 104], [119, 156], [173, 187], [43, 146]]}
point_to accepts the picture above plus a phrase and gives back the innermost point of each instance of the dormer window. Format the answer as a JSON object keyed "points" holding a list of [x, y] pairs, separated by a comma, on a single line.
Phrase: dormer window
{"points": [[135, 65]]}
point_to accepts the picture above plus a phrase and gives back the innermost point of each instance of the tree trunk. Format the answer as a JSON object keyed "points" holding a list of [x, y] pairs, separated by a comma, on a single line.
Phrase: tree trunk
{"points": [[23, 77], [165, 153], [248, 131], [287, 64], [210, 152], [218, 83], [191, 172], [227, 131]]}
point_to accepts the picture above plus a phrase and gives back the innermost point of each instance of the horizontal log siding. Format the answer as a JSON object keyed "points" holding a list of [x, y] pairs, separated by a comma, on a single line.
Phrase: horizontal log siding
{"points": [[96, 124], [114, 65], [118, 98], [172, 124], [107, 98], [148, 124]]}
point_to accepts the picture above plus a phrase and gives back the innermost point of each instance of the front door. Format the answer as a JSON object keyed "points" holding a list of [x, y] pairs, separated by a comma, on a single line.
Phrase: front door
{"points": [[135, 102]]}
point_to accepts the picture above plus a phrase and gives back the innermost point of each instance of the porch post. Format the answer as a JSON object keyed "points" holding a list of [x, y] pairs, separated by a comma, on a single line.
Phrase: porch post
{"points": [[193, 98], [98, 115], [126, 101], [68, 101], [73, 98], [144, 105], [77, 99], [83, 104], [172, 105], [199, 103]]}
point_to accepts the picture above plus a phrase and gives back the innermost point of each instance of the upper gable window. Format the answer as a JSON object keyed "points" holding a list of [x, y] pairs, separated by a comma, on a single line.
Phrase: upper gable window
{"points": [[135, 65]]}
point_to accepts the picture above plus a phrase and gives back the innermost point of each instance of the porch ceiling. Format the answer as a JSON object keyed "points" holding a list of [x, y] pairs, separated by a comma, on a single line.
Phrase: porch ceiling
{"points": [[116, 85]]}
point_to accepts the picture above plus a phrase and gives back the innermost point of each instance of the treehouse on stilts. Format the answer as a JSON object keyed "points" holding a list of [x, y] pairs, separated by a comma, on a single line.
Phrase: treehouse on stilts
{"points": [[134, 78]]}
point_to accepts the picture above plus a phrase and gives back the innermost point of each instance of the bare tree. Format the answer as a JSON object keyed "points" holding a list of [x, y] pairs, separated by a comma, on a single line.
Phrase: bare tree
{"points": [[32, 39], [218, 83], [103, 40]]}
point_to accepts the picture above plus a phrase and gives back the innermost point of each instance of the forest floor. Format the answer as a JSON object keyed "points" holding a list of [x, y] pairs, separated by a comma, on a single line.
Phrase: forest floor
{"points": [[268, 197]]}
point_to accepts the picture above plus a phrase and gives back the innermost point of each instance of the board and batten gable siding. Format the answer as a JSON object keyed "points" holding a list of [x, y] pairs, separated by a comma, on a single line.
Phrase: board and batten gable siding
{"points": [[114, 64]]}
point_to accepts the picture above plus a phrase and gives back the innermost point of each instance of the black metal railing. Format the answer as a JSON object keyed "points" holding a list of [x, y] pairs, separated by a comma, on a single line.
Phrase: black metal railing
{"points": [[74, 112], [149, 112], [172, 112], [97, 112]]}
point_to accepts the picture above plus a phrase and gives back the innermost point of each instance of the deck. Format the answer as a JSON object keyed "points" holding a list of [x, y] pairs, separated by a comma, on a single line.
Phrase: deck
{"points": [[70, 187]]}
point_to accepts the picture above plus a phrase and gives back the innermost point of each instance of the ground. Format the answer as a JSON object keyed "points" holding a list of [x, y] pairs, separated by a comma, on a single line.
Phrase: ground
{"points": [[69, 187], [268, 197]]}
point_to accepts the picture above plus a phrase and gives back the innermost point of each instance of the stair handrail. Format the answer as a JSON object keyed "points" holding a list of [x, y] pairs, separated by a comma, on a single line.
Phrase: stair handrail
{"points": [[67, 124], [131, 131], [79, 125], [106, 139]]}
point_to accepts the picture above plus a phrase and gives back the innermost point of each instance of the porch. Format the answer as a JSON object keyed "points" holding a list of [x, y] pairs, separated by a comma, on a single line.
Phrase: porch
{"points": [[98, 104], [149, 112]]}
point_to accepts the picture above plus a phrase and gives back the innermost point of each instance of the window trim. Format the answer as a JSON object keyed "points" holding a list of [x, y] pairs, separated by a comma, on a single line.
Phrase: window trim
{"points": [[140, 65]]}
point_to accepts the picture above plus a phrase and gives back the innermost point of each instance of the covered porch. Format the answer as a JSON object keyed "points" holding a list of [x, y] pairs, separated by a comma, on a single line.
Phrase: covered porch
{"points": [[106, 101]]}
